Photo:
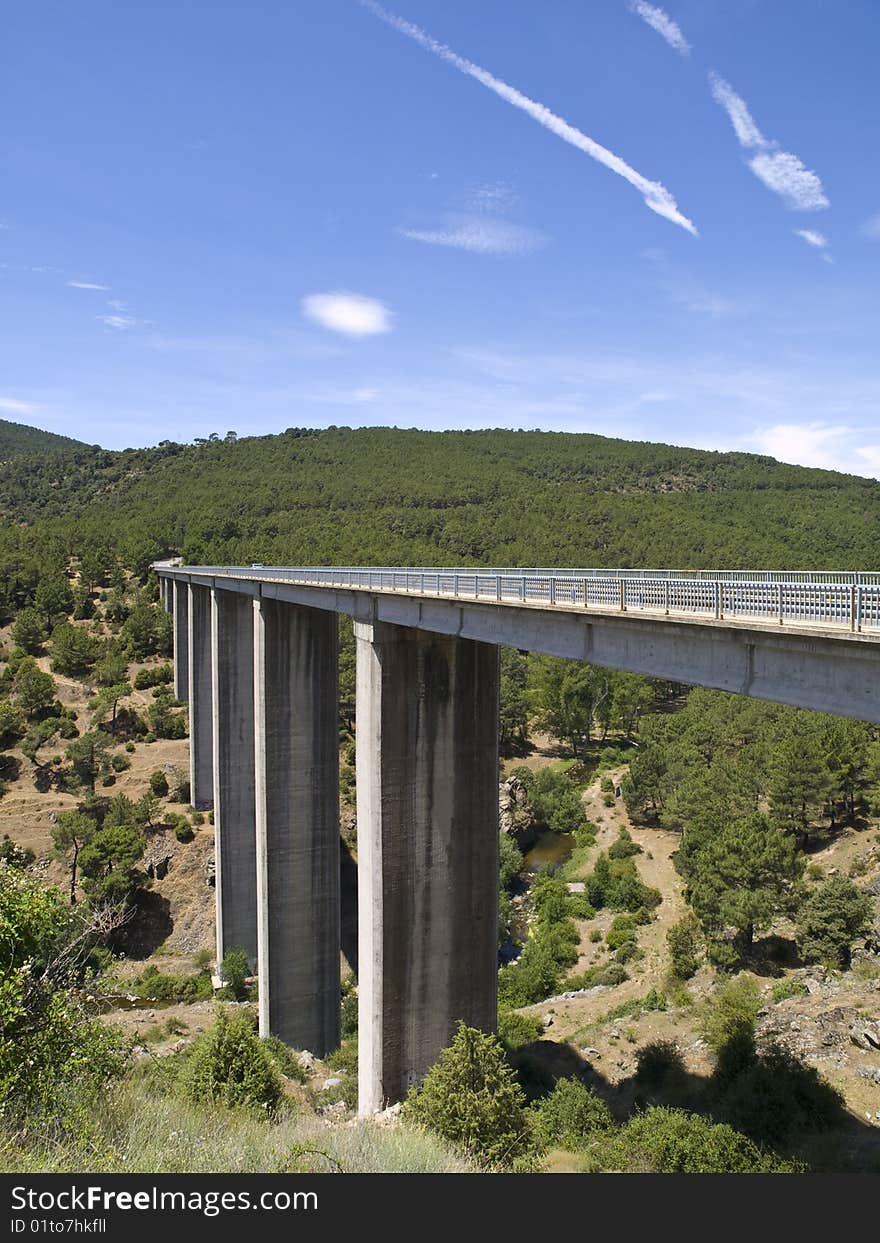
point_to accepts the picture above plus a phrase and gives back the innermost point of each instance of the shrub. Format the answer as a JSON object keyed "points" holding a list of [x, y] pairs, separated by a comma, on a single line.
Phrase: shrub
{"points": [[234, 970], [155, 985], [671, 1141], [829, 921], [158, 782], [471, 1098], [684, 941], [157, 675], [119, 763], [775, 1094], [570, 1116], [788, 987], [659, 1062], [230, 1065], [285, 1059], [608, 974], [595, 935], [184, 832], [516, 1030]]}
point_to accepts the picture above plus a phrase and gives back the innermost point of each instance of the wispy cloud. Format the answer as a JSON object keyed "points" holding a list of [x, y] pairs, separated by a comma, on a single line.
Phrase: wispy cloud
{"points": [[812, 238], [352, 314], [871, 228], [482, 235], [12, 405], [120, 323], [655, 195], [493, 197], [780, 171], [87, 285], [660, 21]]}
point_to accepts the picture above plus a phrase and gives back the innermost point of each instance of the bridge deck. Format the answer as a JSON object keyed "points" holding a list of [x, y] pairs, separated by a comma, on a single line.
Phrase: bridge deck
{"points": [[816, 604]]}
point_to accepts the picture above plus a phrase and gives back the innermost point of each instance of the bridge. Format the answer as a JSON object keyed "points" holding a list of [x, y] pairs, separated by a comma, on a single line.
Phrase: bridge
{"points": [[256, 657]]}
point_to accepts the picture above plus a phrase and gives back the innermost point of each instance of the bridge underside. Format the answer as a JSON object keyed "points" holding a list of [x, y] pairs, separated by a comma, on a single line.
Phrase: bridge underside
{"points": [[257, 661]]}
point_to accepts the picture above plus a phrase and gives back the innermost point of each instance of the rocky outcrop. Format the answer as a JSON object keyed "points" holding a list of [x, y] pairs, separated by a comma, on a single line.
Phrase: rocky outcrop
{"points": [[514, 815]]}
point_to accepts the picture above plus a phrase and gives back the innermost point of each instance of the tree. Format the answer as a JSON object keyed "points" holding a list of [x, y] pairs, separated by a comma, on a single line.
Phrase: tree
{"points": [[830, 919], [234, 970], [71, 831], [74, 651], [54, 1057], [33, 689], [567, 695], [800, 782], [53, 599], [683, 939], [89, 757], [741, 877], [108, 863], [111, 669], [12, 723], [106, 703], [845, 748], [632, 696], [28, 631], [514, 715], [471, 1098]]}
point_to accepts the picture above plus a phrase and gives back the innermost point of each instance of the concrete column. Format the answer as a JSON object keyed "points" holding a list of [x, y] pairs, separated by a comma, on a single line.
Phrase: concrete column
{"points": [[427, 795], [201, 742], [232, 703], [181, 640], [297, 814]]}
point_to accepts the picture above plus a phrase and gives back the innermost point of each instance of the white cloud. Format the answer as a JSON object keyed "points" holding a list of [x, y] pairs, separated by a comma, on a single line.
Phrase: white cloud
{"points": [[655, 195], [786, 176], [352, 314], [827, 445], [86, 285], [780, 171], [871, 228], [13, 406], [812, 238], [482, 235], [660, 21], [119, 322], [493, 198]]}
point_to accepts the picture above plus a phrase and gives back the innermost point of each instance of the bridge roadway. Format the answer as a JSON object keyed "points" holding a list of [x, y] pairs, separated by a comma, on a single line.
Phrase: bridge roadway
{"points": [[256, 657]]}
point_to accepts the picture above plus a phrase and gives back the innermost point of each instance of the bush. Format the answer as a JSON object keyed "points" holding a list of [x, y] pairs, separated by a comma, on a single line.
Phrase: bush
{"points": [[607, 974], [788, 987], [671, 1141], [624, 847], [234, 970], [285, 1059], [831, 918], [119, 763], [158, 783], [684, 941], [230, 1065], [471, 1098], [659, 1063], [775, 1094], [516, 1030], [156, 985], [595, 935], [570, 1116], [184, 832], [157, 675]]}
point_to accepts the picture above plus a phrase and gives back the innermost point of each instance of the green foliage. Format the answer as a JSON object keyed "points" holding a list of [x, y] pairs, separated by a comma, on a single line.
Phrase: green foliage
{"points": [[549, 949], [147, 632], [787, 987], [616, 884], [510, 860], [155, 985], [609, 975], [32, 689], [472, 1099], [29, 631], [153, 675], [74, 651], [285, 1059], [230, 1065], [684, 941], [726, 1021], [516, 1030], [234, 971], [89, 757], [53, 598], [158, 783], [830, 920], [514, 713], [555, 801], [12, 723], [570, 1116], [624, 847], [671, 1141], [54, 1058], [108, 863]]}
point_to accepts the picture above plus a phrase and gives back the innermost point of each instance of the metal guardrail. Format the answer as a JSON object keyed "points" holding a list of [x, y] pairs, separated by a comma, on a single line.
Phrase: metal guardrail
{"points": [[849, 604]]}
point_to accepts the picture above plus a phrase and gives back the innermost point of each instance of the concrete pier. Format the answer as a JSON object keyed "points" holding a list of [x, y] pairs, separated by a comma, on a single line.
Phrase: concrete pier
{"points": [[232, 703], [427, 794], [201, 744], [181, 640], [297, 823]]}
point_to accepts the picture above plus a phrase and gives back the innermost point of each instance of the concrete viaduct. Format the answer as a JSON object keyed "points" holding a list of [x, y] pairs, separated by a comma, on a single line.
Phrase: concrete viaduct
{"points": [[255, 656]]}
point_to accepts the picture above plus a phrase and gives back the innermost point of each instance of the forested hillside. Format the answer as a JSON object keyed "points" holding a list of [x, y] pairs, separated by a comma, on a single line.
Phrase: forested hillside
{"points": [[383, 495], [19, 440]]}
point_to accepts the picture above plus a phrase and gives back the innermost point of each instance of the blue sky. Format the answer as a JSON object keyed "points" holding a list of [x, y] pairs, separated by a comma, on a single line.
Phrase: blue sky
{"points": [[252, 216]]}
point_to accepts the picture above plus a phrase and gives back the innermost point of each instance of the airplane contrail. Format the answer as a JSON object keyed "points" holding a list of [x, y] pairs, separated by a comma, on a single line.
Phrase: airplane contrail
{"points": [[655, 195]]}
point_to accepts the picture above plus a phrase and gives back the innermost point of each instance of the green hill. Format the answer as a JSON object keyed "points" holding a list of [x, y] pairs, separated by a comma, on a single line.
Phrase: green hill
{"points": [[385, 495], [19, 440]]}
